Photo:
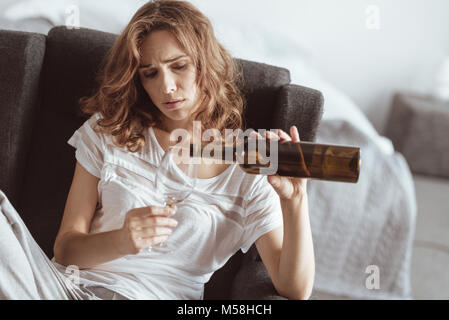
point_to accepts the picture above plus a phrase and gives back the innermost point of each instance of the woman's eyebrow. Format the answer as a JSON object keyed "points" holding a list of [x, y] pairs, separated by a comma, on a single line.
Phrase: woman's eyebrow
{"points": [[165, 61]]}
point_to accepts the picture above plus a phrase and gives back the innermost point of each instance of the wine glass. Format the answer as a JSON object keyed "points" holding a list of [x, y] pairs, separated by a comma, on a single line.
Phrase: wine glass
{"points": [[175, 180]]}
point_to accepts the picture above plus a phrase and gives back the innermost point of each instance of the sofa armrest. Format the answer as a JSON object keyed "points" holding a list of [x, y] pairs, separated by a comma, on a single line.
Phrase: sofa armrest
{"points": [[300, 106], [252, 281], [21, 59]]}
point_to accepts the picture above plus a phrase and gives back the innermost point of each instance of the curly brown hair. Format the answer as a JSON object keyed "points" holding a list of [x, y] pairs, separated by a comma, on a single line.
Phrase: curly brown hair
{"points": [[126, 109]]}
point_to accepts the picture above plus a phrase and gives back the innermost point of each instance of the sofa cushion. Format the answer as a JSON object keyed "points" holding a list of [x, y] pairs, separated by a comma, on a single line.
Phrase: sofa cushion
{"points": [[418, 126], [261, 88], [21, 58], [300, 106]]}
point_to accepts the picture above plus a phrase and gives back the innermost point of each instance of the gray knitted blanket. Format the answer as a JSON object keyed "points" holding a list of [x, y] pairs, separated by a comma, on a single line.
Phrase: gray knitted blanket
{"points": [[358, 226]]}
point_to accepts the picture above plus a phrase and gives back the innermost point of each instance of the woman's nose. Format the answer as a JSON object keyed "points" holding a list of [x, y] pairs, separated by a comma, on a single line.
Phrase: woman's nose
{"points": [[168, 84]]}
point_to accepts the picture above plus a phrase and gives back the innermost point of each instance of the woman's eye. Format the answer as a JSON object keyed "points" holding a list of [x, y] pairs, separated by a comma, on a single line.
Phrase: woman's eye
{"points": [[149, 75], [153, 74], [180, 67]]}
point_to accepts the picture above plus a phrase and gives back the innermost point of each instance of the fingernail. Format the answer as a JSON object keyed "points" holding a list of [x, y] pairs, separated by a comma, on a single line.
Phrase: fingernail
{"points": [[274, 180]]}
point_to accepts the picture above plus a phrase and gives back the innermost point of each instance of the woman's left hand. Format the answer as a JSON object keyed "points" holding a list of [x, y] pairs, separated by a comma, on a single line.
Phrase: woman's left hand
{"points": [[288, 188]]}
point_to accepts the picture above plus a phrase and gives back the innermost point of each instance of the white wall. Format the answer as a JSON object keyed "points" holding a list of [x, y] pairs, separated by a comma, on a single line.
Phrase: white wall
{"points": [[367, 64]]}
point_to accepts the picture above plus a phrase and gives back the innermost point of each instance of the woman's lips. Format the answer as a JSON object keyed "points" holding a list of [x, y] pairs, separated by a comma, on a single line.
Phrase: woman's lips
{"points": [[173, 104]]}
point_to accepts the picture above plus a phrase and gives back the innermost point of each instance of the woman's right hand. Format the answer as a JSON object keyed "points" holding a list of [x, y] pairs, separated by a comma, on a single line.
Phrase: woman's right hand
{"points": [[146, 226]]}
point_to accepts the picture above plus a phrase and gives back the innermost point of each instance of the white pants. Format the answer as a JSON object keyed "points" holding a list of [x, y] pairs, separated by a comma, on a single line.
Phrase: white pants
{"points": [[26, 273]]}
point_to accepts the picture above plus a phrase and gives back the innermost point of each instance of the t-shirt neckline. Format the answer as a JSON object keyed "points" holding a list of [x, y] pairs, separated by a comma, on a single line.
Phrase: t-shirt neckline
{"points": [[161, 152]]}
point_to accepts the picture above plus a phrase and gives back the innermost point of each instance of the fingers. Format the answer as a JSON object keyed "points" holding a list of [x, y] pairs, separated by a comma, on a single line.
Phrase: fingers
{"points": [[284, 136], [154, 241], [294, 133], [282, 185], [147, 218], [153, 231], [278, 134], [162, 211], [143, 222], [142, 237], [255, 135], [270, 135], [147, 226], [141, 243], [153, 211]]}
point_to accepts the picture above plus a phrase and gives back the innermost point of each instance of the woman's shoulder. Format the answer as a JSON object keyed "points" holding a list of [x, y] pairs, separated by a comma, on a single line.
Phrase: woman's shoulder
{"points": [[93, 129], [90, 124], [93, 120], [93, 125], [89, 130]]}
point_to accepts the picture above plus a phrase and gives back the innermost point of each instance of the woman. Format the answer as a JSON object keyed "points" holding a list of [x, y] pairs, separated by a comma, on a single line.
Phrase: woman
{"points": [[165, 71]]}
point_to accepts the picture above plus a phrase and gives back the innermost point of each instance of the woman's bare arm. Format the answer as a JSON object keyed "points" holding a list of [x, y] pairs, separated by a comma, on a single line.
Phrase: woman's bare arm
{"points": [[75, 246]]}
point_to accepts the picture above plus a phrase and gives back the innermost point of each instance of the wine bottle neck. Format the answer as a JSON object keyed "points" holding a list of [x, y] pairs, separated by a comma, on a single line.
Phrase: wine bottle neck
{"points": [[218, 152]]}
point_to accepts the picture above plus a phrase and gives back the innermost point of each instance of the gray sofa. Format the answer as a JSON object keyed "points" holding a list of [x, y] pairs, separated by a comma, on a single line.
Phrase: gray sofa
{"points": [[43, 76]]}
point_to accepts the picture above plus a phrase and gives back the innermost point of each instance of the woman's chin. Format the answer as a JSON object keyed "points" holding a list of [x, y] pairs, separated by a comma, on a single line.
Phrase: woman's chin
{"points": [[181, 117]]}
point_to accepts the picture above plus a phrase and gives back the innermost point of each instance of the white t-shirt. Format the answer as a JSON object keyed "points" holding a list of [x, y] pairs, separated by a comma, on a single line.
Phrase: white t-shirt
{"points": [[224, 214]]}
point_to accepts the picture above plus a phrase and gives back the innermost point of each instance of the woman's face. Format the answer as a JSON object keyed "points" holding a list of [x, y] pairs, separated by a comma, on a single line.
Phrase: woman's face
{"points": [[168, 75]]}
